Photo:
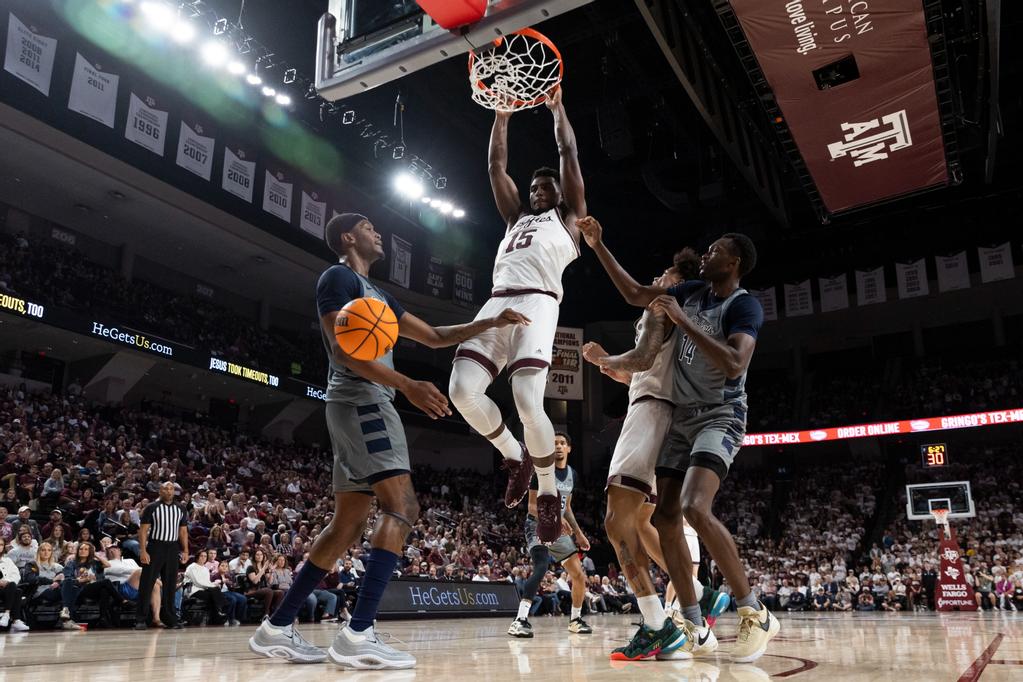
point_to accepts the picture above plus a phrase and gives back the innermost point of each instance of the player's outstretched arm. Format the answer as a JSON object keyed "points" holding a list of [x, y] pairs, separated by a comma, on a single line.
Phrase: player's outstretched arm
{"points": [[592, 351], [422, 394], [411, 327], [506, 195], [640, 358], [580, 537], [572, 186], [632, 291]]}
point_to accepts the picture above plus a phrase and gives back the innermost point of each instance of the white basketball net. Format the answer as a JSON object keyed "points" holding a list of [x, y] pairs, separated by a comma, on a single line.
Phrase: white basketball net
{"points": [[519, 73], [940, 517]]}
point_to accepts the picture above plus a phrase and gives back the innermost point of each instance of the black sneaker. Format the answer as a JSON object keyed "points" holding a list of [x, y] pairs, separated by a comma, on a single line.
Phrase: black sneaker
{"points": [[579, 627], [520, 627]]}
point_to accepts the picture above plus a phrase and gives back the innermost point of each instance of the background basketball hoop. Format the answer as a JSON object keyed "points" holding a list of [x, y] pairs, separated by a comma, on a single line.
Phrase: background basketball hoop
{"points": [[517, 71], [941, 518]]}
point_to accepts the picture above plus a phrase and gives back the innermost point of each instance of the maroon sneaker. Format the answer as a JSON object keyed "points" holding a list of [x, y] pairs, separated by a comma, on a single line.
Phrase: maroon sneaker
{"points": [[519, 476], [548, 517]]}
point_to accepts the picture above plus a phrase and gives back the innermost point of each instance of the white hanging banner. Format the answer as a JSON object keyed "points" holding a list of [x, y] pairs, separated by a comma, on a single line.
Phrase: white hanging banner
{"points": [[401, 261], [277, 196], [93, 93], [146, 126], [314, 214], [870, 286], [768, 301], [996, 263], [29, 55], [912, 279], [238, 174], [953, 272], [565, 378], [834, 292], [798, 299], [195, 152]]}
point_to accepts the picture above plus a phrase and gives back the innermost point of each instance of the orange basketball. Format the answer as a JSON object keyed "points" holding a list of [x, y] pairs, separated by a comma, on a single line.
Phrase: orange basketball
{"points": [[366, 329]]}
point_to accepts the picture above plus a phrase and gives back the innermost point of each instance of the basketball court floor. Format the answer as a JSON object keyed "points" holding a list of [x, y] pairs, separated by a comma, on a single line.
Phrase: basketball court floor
{"points": [[833, 647]]}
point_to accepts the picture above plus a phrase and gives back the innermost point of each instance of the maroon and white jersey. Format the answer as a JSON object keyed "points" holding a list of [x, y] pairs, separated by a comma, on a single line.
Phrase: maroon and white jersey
{"points": [[534, 254]]}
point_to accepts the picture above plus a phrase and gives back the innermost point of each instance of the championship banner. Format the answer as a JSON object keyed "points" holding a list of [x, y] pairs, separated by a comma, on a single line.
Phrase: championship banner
{"points": [[768, 301], [314, 215], [146, 126], [195, 152], [432, 598], [996, 263], [962, 421], [834, 292], [953, 272], [855, 85], [239, 175], [29, 55], [438, 278], [565, 379], [462, 293], [798, 299], [870, 286], [401, 261], [93, 93], [277, 195], [952, 593], [912, 279]]}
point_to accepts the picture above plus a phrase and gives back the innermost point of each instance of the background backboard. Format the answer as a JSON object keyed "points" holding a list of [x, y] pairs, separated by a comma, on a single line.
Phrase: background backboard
{"points": [[361, 44], [955, 496]]}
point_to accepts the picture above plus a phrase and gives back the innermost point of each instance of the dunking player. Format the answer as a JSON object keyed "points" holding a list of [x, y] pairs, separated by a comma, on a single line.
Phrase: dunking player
{"points": [[718, 323], [631, 488], [539, 244], [564, 549], [370, 456]]}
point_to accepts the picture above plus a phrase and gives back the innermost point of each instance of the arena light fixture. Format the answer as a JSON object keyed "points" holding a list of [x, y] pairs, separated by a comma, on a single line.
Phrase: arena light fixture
{"points": [[183, 32], [253, 79], [458, 213], [283, 100], [408, 186], [268, 91], [159, 14], [236, 67], [214, 53], [446, 208], [426, 200], [435, 203]]}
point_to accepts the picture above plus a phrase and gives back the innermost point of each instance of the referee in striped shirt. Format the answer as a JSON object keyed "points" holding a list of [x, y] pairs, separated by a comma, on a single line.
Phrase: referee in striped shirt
{"points": [[163, 540]]}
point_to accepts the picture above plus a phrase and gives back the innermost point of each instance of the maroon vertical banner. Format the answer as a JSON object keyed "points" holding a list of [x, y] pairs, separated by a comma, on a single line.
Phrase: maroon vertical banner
{"points": [[952, 593], [855, 85]]}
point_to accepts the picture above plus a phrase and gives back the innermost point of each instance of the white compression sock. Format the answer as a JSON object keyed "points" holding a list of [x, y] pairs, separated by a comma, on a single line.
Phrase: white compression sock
{"points": [[653, 612], [545, 481], [577, 613], [508, 446], [524, 606]]}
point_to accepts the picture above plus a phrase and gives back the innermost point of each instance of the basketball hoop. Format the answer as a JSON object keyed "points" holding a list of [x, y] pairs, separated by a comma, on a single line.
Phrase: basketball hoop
{"points": [[517, 71], [940, 517]]}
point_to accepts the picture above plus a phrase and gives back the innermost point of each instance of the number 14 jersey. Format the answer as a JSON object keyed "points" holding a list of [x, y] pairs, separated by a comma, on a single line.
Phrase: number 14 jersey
{"points": [[534, 253]]}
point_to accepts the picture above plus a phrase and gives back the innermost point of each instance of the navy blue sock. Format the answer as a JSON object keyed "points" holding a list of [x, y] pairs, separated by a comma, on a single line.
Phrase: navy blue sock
{"points": [[379, 569], [305, 582]]}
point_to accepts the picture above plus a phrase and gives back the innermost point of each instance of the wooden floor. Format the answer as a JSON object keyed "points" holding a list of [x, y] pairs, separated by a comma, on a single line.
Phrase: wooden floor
{"points": [[831, 647]]}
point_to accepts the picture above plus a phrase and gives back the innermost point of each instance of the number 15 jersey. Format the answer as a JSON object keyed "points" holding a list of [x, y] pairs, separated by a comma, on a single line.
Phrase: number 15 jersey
{"points": [[534, 253]]}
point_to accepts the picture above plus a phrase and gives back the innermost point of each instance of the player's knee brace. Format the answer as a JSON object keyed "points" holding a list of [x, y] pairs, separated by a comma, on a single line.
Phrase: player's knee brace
{"points": [[467, 389]]}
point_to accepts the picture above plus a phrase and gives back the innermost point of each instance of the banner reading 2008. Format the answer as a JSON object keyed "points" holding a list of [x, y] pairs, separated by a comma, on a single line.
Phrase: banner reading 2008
{"points": [[565, 380]]}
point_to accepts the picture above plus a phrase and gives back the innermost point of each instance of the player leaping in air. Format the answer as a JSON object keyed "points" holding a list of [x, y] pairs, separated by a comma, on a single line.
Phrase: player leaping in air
{"points": [[717, 326], [539, 243]]}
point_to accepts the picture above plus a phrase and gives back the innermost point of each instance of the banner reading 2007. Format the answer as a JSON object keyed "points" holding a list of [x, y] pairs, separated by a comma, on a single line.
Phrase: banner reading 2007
{"points": [[565, 380]]}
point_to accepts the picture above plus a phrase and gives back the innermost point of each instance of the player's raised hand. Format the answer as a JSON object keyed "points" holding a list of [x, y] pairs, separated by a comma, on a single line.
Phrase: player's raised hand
{"points": [[591, 230], [593, 352], [427, 398], [668, 305], [509, 316], [553, 100]]}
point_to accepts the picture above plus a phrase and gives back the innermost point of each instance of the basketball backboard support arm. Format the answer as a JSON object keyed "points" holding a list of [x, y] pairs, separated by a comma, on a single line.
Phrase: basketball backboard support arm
{"points": [[347, 65]]}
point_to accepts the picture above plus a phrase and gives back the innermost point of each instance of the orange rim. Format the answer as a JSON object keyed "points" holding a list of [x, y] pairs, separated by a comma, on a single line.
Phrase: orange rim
{"points": [[536, 35]]}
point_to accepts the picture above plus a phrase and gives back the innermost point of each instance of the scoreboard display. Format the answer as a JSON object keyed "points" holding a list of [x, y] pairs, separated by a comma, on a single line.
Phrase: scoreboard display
{"points": [[934, 455]]}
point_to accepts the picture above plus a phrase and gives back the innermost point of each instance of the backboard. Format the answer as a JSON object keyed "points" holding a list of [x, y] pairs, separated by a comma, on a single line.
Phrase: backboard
{"points": [[955, 496], [360, 46]]}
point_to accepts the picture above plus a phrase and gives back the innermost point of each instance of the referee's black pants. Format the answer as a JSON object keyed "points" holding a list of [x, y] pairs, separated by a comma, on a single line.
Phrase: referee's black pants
{"points": [[163, 564]]}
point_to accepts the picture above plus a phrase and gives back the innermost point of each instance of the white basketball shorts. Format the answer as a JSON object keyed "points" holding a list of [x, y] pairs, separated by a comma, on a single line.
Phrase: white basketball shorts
{"points": [[635, 455], [515, 346]]}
